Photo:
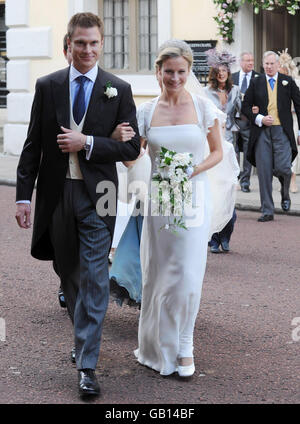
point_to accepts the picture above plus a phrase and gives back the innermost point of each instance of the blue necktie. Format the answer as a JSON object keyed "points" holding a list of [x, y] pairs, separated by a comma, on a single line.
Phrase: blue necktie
{"points": [[79, 101], [271, 82], [244, 84]]}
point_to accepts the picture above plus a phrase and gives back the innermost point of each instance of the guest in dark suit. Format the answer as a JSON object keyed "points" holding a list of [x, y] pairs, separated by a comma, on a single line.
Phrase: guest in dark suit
{"points": [[272, 145], [70, 152], [242, 78]]}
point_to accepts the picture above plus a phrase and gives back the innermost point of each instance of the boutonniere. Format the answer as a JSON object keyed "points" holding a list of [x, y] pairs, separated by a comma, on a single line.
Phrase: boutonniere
{"points": [[285, 82], [256, 75], [110, 91]]}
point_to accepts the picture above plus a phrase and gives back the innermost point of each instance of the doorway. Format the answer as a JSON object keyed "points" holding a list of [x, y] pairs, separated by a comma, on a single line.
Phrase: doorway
{"points": [[276, 30]]}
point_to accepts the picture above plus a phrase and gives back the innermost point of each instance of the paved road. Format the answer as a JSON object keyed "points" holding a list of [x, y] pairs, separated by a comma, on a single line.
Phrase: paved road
{"points": [[244, 347]]}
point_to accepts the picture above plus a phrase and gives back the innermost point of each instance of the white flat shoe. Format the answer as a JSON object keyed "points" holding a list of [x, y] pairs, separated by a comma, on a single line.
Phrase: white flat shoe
{"points": [[185, 370]]}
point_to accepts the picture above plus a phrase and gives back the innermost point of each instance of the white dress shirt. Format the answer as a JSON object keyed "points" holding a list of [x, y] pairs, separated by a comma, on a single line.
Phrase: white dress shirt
{"points": [[248, 76], [91, 76], [88, 86]]}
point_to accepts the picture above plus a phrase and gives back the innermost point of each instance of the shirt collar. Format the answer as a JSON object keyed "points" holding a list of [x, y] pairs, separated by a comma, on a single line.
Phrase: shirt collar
{"points": [[246, 73], [91, 74], [274, 77]]}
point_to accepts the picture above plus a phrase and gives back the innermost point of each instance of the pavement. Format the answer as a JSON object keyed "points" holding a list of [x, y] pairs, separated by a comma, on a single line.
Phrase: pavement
{"points": [[246, 339], [244, 201]]}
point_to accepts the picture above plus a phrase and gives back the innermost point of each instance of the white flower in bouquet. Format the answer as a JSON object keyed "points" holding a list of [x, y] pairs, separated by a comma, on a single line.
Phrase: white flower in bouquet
{"points": [[164, 172], [172, 174], [182, 159]]}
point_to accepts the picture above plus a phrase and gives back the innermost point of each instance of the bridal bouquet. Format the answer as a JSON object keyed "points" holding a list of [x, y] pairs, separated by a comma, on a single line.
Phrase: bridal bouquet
{"points": [[173, 187]]}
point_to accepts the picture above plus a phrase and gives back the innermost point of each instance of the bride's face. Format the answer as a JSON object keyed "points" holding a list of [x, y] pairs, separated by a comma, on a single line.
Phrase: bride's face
{"points": [[174, 73]]}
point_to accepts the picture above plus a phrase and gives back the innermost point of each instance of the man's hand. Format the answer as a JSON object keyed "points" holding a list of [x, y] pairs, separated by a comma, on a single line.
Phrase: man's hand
{"points": [[70, 141], [267, 120], [123, 132], [23, 215], [255, 109], [298, 140]]}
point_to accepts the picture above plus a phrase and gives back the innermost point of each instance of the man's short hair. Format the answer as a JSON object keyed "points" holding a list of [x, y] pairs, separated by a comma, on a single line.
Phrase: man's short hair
{"points": [[244, 54], [85, 20], [269, 53]]}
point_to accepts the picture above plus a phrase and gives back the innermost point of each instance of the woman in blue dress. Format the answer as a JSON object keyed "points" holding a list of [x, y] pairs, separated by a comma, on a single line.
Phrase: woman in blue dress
{"points": [[125, 272]]}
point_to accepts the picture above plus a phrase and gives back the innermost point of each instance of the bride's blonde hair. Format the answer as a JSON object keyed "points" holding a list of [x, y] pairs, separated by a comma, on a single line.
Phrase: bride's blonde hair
{"points": [[174, 48]]}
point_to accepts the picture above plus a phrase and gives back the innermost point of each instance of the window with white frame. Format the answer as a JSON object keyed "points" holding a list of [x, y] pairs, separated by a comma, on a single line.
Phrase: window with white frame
{"points": [[130, 35]]}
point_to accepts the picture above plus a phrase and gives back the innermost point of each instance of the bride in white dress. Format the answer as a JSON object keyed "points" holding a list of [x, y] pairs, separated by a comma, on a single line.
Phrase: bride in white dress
{"points": [[173, 265]]}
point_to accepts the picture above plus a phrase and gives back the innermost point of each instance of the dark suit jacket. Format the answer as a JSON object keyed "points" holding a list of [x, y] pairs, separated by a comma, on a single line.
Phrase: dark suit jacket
{"points": [[257, 94], [42, 158], [236, 77]]}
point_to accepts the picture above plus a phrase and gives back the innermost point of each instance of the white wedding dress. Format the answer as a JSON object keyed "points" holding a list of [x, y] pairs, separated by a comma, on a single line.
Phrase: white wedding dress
{"points": [[173, 265]]}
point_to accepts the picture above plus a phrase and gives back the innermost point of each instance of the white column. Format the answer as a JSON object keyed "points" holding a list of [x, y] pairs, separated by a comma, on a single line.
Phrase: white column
{"points": [[16, 12], [243, 34], [164, 20], [23, 45]]}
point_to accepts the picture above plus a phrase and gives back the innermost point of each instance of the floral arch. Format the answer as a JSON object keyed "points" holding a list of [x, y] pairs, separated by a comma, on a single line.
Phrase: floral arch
{"points": [[227, 10]]}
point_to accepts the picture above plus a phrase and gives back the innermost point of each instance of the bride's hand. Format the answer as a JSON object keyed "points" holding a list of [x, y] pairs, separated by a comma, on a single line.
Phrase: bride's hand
{"points": [[123, 132], [190, 172]]}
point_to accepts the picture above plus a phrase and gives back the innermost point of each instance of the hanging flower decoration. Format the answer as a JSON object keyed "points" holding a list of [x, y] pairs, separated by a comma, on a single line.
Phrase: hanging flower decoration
{"points": [[227, 10]]}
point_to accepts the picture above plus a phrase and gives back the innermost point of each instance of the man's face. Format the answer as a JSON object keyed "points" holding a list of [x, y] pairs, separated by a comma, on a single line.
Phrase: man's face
{"points": [[85, 48], [271, 65], [247, 63]]}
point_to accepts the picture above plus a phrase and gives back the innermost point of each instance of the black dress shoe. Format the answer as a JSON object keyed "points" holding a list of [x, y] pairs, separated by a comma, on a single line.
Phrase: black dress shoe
{"points": [[133, 304], [285, 205], [61, 298], [87, 383], [245, 188], [73, 356], [118, 293], [265, 218], [225, 246]]}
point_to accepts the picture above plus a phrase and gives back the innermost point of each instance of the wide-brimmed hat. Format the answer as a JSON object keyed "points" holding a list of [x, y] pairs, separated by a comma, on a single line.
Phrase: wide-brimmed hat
{"points": [[216, 58]]}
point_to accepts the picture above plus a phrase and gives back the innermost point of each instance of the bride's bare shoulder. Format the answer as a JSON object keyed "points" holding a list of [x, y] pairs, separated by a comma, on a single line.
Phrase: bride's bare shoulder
{"points": [[147, 105]]}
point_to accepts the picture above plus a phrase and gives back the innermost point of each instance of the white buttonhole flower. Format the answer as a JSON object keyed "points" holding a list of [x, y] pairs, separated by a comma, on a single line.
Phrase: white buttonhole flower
{"points": [[110, 91]]}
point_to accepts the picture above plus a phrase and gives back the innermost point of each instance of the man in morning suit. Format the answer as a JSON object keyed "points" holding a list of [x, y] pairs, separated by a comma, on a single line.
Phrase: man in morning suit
{"points": [[242, 78], [272, 145], [70, 152]]}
